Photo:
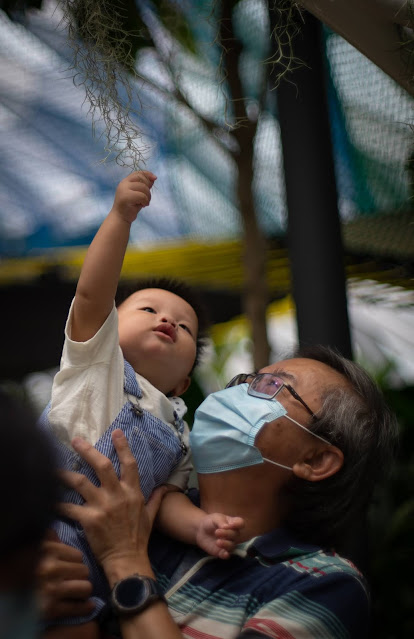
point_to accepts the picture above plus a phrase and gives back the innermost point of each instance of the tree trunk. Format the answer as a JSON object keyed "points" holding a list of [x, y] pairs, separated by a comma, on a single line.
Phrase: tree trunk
{"points": [[255, 293]]}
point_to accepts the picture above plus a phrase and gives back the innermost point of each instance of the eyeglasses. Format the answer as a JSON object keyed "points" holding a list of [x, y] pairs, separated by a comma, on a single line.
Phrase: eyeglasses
{"points": [[266, 386]]}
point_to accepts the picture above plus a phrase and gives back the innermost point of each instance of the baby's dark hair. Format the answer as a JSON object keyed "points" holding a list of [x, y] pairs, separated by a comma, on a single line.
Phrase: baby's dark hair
{"points": [[183, 290]]}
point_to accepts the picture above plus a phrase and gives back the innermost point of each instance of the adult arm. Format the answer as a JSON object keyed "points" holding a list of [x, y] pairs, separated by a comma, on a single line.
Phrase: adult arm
{"points": [[101, 269], [376, 27], [117, 523]]}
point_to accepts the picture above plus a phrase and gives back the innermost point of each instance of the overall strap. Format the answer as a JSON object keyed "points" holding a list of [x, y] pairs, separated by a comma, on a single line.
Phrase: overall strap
{"points": [[130, 381]]}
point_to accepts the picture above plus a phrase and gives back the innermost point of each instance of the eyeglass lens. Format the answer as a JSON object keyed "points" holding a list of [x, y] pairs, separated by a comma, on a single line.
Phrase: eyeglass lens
{"points": [[265, 385], [242, 378]]}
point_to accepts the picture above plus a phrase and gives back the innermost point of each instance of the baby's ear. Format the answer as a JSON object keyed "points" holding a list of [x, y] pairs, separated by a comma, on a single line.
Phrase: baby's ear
{"points": [[181, 387]]}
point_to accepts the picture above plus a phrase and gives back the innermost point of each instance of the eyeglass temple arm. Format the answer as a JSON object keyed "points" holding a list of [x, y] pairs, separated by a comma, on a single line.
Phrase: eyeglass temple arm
{"points": [[296, 396]]}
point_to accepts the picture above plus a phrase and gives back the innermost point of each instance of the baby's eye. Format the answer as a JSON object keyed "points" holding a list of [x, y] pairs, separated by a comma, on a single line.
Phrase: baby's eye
{"points": [[148, 309], [186, 328]]}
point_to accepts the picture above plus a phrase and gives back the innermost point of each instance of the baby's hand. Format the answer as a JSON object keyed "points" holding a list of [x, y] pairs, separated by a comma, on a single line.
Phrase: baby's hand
{"points": [[132, 194], [219, 534]]}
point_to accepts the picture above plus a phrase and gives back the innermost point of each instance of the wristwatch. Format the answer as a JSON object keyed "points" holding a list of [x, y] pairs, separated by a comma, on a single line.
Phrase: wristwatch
{"points": [[135, 593]]}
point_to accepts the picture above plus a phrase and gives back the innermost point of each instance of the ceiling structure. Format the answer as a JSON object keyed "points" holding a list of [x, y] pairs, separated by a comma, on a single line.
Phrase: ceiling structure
{"points": [[55, 190]]}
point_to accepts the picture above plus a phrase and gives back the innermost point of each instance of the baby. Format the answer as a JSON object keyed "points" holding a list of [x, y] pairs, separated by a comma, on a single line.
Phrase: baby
{"points": [[126, 368]]}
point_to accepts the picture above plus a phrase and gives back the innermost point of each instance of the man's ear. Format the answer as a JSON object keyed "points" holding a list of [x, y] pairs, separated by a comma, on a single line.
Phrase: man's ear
{"points": [[181, 387], [320, 464]]}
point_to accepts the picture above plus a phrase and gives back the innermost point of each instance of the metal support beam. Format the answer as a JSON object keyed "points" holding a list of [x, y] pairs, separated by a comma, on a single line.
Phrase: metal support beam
{"points": [[314, 233]]}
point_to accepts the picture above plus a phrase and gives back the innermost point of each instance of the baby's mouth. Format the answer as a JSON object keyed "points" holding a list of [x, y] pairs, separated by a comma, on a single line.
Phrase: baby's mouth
{"points": [[166, 329]]}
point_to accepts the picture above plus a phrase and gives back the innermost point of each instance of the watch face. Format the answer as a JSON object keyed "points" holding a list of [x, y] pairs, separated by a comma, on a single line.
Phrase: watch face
{"points": [[132, 592]]}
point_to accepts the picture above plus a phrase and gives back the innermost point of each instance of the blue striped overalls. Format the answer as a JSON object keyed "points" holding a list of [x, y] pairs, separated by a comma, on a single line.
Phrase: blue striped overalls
{"points": [[155, 446]]}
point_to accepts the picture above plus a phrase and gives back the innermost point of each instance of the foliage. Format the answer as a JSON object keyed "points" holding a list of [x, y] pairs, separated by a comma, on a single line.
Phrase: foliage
{"points": [[391, 533]]}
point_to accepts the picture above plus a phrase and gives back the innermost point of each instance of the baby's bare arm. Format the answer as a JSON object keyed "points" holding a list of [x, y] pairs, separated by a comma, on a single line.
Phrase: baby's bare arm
{"points": [[178, 517], [101, 269], [215, 533]]}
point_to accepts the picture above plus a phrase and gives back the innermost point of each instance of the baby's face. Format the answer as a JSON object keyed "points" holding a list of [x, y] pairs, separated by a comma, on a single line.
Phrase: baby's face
{"points": [[157, 335]]}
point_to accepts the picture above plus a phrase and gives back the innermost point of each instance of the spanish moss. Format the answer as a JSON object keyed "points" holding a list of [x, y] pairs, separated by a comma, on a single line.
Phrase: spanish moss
{"points": [[104, 64]]}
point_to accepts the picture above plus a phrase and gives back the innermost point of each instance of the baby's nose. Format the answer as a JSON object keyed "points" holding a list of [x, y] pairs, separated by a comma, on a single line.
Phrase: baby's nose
{"points": [[168, 320]]}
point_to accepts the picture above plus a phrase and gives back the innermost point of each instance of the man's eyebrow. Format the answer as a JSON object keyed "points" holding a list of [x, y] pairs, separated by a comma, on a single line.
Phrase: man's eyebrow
{"points": [[280, 372]]}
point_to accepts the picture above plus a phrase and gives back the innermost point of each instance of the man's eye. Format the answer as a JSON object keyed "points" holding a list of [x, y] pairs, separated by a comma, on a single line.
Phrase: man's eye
{"points": [[148, 309], [186, 328]]}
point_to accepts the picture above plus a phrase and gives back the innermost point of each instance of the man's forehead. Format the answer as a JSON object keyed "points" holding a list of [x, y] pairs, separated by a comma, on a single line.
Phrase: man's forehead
{"points": [[298, 371], [280, 371]]}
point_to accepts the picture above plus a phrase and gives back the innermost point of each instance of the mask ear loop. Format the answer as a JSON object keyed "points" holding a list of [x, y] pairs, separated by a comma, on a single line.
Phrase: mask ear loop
{"points": [[277, 464], [303, 428], [308, 431]]}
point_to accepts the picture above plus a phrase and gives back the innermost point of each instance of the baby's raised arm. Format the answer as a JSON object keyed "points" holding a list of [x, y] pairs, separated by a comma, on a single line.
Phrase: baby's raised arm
{"points": [[101, 269]]}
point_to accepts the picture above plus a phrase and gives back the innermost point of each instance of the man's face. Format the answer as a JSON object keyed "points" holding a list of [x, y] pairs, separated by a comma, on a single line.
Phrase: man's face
{"points": [[157, 335], [281, 440]]}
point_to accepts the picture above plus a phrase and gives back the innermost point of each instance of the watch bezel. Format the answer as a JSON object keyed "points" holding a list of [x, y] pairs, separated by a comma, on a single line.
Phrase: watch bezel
{"points": [[150, 593]]}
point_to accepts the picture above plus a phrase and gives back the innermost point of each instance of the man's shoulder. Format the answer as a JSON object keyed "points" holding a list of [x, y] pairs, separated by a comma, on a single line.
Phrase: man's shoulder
{"points": [[322, 565], [302, 560]]}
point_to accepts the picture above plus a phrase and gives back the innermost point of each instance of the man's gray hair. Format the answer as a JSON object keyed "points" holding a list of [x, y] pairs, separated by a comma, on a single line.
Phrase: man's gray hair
{"points": [[356, 419]]}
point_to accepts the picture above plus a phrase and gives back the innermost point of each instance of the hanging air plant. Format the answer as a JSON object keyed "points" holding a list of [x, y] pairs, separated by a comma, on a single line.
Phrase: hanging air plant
{"points": [[104, 47], [286, 22], [105, 36]]}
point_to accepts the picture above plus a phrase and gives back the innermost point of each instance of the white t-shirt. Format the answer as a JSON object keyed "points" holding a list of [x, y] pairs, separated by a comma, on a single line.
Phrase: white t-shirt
{"points": [[88, 392]]}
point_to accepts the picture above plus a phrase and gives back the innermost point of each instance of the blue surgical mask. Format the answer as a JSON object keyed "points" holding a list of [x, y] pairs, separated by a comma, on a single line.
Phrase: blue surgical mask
{"points": [[225, 428]]}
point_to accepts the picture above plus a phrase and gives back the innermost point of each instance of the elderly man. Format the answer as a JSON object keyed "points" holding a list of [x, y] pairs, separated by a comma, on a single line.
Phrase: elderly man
{"points": [[295, 450]]}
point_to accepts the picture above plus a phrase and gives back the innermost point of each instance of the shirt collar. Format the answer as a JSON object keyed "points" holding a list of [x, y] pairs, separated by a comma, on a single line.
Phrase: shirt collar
{"points": [[275, 545]]}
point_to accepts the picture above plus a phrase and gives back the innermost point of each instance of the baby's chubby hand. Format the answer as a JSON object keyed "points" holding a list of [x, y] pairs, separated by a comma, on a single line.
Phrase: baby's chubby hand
{"points": [[219, 534], [132, 194]]}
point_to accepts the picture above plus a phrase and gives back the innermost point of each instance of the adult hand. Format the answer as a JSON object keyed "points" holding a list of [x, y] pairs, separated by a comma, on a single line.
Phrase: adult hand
{"points": [[115, 518], [62, 581]]}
